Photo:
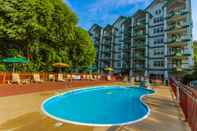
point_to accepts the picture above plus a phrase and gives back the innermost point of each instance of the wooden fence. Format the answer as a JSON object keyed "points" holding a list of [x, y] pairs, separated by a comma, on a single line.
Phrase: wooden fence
{"points": [[187, 99], [7, 76]]}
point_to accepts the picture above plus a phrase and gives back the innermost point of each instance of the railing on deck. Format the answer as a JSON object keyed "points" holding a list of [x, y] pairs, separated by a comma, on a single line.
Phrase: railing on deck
{"points": [[187, 99]]}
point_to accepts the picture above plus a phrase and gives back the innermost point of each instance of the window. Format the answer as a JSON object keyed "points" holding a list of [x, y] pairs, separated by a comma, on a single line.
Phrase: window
{"points": [[158, 30], [158, 51], [158, 63], [158, 12], [158, 19]]}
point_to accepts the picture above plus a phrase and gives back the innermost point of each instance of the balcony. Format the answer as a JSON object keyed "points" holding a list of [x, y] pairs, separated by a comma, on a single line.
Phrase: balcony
{"points": [[178, 42], [139, 57], [180, 56], [139, 46], [177, 15], [140, 25], [139, 35], [181, 27]]}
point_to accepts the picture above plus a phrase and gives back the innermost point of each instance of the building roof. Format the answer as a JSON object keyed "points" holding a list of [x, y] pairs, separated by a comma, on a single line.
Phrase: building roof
{"points": [[139, 12], [95, 26], [119, 19], [108, 26]]}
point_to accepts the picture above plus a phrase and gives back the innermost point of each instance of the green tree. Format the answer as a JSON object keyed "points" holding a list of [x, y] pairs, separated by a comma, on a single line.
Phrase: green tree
{"points": [[81, 49], [195, 51], [46, 29]]}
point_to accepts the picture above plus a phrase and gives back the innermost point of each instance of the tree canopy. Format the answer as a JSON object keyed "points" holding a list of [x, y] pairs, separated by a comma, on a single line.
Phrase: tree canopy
{"points": [[46, 31], [195, 51]]}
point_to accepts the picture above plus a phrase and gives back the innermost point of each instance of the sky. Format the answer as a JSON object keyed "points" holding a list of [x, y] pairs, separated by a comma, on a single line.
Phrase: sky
{"points": [[104, 12]]}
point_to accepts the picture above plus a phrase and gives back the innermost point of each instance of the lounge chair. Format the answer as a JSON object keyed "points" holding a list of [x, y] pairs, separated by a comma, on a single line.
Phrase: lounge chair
{"points": [[109, 77], [51, 77], [84, 77], [95, 77], [91, 77], [87, 77], [36, 78], [16, 78], [60, 78], [76, 77]]}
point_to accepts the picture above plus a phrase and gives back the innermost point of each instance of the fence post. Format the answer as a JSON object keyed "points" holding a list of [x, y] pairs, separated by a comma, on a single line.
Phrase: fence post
{"points": [[177, 94]]}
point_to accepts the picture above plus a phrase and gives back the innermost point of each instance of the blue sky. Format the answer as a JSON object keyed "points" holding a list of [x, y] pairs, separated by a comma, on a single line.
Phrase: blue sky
{"points": [[105, 12]]}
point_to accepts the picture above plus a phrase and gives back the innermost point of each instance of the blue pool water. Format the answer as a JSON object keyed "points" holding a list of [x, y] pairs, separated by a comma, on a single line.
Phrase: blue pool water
{"points": [[99, 106]]}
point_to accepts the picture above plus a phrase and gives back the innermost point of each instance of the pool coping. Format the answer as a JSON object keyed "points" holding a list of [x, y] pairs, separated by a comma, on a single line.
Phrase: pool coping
{"points": [[93, 124]]}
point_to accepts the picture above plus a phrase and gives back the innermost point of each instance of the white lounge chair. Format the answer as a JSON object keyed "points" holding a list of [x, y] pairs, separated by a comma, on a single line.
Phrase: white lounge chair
{"points": [[51, 77], [60, 78], [36, 78], [16, 78]]}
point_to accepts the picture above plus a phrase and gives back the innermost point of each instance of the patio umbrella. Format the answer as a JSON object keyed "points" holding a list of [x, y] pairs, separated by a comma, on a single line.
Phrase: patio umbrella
{"points": [[109, 69], [60, 65], [14, 60]]}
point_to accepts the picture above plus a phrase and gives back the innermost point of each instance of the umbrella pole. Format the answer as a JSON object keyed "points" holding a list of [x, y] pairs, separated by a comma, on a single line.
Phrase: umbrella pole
{"points": [[13, 68]]}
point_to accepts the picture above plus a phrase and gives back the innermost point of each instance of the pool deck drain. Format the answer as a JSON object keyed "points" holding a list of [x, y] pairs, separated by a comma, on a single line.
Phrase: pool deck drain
{"points": [[22, 113]]}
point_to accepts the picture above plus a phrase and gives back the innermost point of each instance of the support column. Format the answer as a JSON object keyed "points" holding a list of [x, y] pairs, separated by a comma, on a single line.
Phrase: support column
{"points": [[131, 50], [189, 33], [146, 47], [165, 46]]}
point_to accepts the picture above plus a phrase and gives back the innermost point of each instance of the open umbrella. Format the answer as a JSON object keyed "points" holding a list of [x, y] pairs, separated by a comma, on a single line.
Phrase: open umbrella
{"points": [[17, 59], [60, 65], [14, 60], [109, 69]]}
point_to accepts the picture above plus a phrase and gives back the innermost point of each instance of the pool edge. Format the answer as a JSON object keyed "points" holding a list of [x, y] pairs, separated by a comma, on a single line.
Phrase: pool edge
{"points": [[98, 125]]}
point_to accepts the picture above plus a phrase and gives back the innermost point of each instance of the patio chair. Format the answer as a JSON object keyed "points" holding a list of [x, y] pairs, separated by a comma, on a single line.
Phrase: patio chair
{"points": [[109, 77], [77, 77], [95, 77], [51, 77], [84, 77], [60, 77], [36, 78], [16, 78], [87, 77], [91, 77]]}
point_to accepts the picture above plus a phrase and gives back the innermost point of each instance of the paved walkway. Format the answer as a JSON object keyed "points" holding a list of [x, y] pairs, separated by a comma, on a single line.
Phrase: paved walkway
{"points": [[22, 113]]}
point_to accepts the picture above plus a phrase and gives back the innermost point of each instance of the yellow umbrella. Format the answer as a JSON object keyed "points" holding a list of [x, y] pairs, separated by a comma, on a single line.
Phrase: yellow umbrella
{"points": [[109, 69], [60, 65]]}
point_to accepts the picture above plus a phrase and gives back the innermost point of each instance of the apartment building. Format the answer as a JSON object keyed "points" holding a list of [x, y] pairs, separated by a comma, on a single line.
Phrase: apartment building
{"points": [[154, 42]]}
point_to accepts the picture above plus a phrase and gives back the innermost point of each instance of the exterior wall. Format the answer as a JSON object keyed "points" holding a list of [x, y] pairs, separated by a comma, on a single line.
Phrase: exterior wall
{"points": [[156, 38], [118, 46], [96, 35], [166, 39]]}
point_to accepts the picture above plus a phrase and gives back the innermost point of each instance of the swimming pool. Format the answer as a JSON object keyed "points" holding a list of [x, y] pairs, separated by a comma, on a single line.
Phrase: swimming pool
{"points": [[99, 106]]}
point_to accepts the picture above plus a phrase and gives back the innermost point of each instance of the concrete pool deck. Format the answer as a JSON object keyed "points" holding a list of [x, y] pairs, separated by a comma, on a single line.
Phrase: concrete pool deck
{"points": [[23, 113]]}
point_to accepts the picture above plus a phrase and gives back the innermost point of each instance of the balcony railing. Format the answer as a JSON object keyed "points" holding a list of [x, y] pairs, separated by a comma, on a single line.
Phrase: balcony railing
{"points": [[139, 25], [139, 45], [177, 27], [139, 35], [180, 56], [178, 42], [177, 13], [139, 57]]}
